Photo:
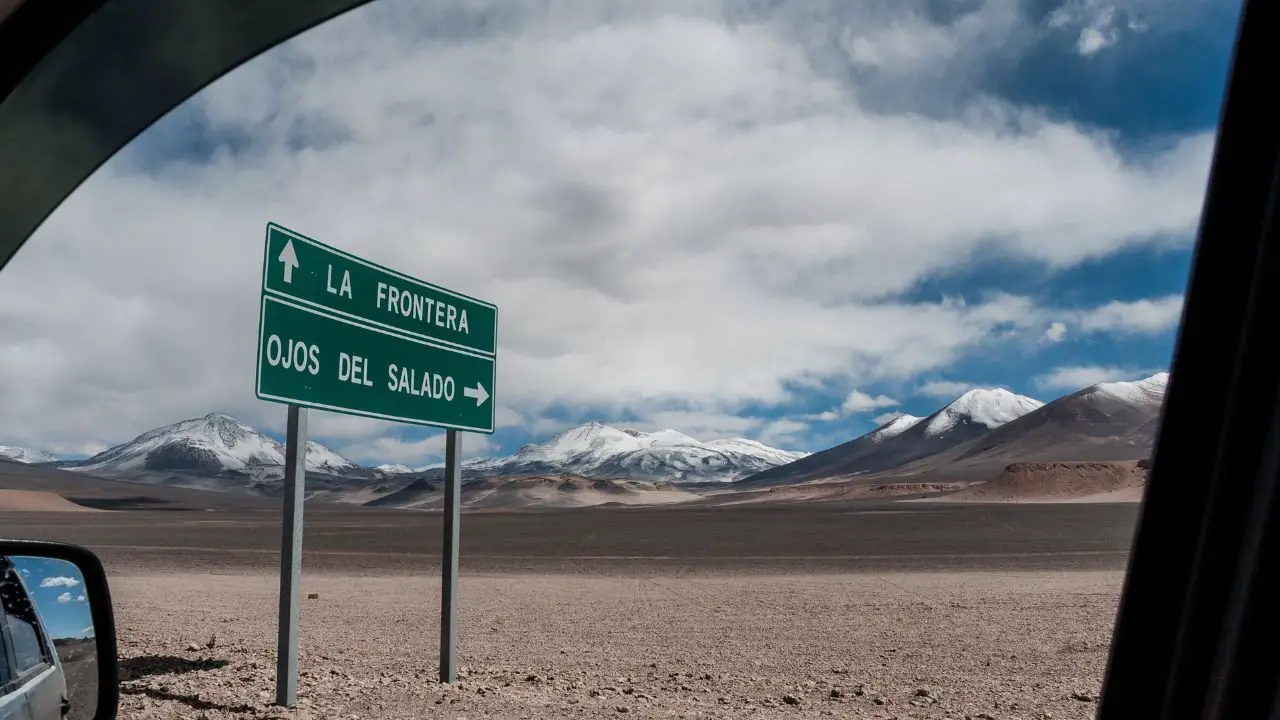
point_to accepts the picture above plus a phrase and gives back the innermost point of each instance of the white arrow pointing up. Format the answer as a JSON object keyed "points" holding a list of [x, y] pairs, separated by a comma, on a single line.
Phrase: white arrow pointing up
{"points": [[478, 392], [290, 260]]}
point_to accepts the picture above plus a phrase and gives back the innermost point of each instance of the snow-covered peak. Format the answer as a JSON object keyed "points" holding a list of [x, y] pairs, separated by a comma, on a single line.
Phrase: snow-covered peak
{"points": [[598, 439], [989, 407], [592, 437], [1149, 391], [598, 450], [211, 443], [392, 469], [894, 428], [26, 455], [217, 436], [213, 424]]}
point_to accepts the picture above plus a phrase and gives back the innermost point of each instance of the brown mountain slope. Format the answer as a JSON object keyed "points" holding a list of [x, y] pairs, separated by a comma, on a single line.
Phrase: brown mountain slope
{"points": [[1060, 482], [1105, 422]]}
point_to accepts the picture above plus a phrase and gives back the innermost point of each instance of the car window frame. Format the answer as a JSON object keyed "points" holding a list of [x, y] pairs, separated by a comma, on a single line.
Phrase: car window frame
{"points": [[1148, 663]]}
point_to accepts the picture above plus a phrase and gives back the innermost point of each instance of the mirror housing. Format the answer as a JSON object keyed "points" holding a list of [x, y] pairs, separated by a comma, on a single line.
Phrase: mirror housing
{"points": [[25, 604]]}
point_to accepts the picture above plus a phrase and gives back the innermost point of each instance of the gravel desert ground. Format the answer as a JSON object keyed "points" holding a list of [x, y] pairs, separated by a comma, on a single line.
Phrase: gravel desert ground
{"points": [[853, 610], [868, 645]]}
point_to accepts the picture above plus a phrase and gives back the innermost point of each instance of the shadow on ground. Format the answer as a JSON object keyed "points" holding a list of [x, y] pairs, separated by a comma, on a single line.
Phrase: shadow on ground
{"points": [[140, 502], [144, 665], [192, 701], [135, 668]]}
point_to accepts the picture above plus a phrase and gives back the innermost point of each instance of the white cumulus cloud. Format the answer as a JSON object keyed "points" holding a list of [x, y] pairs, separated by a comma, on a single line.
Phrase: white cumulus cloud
{"points": [[1139, 316], [945, 389], [390, 449], [59, 581], [858, 401], [1056, 332], [1095, 20], [782, 432]]}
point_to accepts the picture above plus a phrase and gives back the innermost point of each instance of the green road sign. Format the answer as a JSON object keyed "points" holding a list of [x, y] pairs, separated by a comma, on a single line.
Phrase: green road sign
{"points": [[318, 276], [313, 356]]}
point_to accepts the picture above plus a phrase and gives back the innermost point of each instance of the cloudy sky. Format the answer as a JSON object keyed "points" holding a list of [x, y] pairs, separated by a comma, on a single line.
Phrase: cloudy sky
{"points": [[732, 217]]}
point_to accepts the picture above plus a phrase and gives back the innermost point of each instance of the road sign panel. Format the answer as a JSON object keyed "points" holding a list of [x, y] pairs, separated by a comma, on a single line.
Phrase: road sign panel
{"points": [[318, 276], [317, 360], [337, 332]]}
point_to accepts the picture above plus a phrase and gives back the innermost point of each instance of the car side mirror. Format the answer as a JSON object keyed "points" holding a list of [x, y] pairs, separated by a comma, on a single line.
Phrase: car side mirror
{"points": [[57, 634]]}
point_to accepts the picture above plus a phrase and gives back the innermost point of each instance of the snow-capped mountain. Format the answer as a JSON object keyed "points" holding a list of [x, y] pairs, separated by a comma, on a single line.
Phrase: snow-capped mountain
{"points": [[970, 416], [905, 438], [209, 445], [26, 455], [219, 446], [980, 429], [988, 428], [596, 450], [1108, 421]]}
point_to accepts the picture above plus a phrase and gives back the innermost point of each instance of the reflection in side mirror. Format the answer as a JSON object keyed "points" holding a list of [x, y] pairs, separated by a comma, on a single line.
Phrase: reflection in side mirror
{"points": [[56, 611]]}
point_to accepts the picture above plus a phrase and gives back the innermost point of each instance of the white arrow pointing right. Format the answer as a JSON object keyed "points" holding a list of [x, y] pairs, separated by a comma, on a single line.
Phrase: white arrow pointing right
{"points": [[478, 392]]}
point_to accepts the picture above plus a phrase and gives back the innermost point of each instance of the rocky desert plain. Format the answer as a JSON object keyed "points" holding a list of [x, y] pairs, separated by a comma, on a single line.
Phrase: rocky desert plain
{"points": [[965, 565], [845, 607]]}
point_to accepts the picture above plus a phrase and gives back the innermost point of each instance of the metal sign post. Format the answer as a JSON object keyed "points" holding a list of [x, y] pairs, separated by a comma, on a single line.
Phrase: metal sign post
{"points": [[295, 480], [449, 557]]}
